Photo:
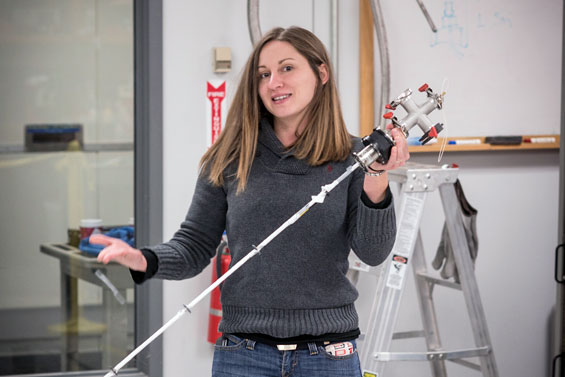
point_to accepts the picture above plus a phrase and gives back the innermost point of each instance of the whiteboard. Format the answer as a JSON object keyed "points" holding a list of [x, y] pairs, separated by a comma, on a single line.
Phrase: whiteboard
{"points": [[500, 61]]}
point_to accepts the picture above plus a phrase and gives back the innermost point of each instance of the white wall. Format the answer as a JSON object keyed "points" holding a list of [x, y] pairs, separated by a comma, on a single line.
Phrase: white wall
{"points": [[515, 193]]}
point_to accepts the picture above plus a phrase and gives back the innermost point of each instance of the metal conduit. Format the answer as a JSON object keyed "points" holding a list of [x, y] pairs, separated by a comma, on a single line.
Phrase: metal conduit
{"points": [[378, 20], [334, 36], [253, 21]]}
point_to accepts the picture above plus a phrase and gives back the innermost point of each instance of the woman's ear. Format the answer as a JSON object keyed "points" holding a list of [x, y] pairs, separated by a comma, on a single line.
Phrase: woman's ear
{"points": [[324, 75]]}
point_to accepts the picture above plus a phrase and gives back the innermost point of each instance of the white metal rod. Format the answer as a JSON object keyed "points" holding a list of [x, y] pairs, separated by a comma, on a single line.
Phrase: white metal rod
{"points": [[256, 250], [127, 359]]}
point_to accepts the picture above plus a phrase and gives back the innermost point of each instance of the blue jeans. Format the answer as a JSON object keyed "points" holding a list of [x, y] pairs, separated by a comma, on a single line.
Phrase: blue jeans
{"points": [[246, 358]]}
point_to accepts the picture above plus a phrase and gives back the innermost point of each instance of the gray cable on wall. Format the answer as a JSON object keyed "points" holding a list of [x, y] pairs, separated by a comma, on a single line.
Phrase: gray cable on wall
{"points": [[378, 20], [253, 21]]}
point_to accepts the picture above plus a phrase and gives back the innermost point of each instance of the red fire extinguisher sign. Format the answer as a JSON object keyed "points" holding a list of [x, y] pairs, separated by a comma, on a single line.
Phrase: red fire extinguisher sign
{"points": [[215, 92]]}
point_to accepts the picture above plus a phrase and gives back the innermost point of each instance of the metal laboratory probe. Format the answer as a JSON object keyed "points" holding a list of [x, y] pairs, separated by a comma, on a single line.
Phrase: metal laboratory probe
{"points": [[377, 148]]}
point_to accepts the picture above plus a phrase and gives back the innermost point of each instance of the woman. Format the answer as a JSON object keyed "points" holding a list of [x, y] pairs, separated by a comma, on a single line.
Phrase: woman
{"points": [[289, 310]]}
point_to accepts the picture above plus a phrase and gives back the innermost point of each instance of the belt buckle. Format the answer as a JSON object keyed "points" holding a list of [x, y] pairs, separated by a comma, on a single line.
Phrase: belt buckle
{"points": [[287, 347]]}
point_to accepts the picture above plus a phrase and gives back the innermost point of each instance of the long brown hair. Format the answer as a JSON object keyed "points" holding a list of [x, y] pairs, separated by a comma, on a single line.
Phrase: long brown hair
{"points": [[325, 137]]}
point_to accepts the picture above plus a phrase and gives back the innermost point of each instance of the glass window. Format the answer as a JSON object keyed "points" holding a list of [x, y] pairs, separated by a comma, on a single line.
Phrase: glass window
{"points": [[66, 156]]}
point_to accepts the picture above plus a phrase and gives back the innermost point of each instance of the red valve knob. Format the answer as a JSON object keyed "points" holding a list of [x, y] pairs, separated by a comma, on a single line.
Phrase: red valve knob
{"points": [[388, 106], [388, 115], [423, 88]]}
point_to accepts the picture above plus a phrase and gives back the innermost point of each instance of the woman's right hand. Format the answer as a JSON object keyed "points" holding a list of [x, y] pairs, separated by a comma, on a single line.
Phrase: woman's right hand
{"points": [[119, 251]]}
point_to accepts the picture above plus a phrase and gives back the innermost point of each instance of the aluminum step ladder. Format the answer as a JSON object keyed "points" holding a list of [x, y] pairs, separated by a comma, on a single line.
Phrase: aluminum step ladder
{"points": [[416, 182]]}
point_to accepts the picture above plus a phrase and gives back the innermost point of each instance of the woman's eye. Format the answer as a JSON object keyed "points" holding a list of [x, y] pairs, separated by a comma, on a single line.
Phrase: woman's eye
{"points": [[263, 75], [287, 68]]}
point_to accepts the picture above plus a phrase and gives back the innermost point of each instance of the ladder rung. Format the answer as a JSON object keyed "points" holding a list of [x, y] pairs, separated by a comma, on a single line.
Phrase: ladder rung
{"points": [[467, 364], [408, 334], [437, 281], [400, 335], [432, 355]]}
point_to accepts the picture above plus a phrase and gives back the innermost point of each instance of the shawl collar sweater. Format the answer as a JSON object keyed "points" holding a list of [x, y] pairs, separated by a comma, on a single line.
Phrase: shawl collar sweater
{"points": [[297, 285]]}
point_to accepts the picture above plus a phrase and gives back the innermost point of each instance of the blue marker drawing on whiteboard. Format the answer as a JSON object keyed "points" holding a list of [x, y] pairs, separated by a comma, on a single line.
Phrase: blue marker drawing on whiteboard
{"points": [[494, 19], [480, 21], [451, 32], [502, 19]]}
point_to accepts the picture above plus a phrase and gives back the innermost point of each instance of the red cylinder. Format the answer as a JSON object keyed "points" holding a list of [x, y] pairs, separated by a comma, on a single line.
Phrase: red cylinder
{"points": [[215, 315]]}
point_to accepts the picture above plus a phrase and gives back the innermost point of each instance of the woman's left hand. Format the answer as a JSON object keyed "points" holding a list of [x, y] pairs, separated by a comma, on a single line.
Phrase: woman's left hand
{"points": [[398, 154], [375, 186]]}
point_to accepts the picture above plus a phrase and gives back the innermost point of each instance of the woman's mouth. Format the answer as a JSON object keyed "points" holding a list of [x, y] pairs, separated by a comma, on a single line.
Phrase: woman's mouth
{"points": [[280, 98]]}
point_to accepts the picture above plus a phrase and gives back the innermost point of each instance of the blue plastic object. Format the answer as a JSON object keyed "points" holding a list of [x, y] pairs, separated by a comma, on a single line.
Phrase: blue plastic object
{"points": [[124, 233]]}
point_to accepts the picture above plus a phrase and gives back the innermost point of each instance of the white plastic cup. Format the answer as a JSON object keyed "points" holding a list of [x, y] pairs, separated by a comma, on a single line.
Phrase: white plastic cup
{"points": [[89, 227]]}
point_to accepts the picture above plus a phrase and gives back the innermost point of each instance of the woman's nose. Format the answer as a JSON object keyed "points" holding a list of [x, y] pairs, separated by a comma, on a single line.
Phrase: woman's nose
{"points": [[274, 81]]}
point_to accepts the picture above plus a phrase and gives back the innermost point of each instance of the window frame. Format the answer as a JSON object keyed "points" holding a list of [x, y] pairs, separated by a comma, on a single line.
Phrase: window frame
{"points": [[148, 172]]}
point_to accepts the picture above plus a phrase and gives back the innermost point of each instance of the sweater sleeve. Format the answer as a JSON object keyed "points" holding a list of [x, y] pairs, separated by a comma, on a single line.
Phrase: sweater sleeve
{"points": [[152, 265], [194, 244], [372, 227]]}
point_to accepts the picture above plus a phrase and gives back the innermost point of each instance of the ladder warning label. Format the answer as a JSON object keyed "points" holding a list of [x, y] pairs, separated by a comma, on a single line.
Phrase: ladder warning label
{"points": [[405, 239], [396, 271]]}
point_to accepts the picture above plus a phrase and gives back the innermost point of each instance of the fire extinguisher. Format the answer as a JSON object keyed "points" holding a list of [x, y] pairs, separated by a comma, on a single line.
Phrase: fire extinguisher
{"points": [[222, 263]]}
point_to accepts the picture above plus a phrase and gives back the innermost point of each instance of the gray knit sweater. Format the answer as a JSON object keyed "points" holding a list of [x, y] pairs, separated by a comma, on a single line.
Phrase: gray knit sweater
{"points": [[297, 284]]}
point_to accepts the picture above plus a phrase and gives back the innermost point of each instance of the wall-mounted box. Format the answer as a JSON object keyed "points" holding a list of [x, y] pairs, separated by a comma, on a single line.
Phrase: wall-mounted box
{"points": [[222, 59]]}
